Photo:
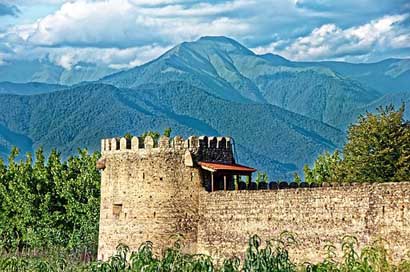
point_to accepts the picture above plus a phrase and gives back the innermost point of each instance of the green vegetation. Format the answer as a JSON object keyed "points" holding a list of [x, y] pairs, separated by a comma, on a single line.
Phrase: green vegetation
{"points": [[83, 115], [261, 177], [183, 89], [155, 134], [297, 178], [377, 150], [312, 90], [48, 205], [269, 256], [167, 132], [49, 212]]}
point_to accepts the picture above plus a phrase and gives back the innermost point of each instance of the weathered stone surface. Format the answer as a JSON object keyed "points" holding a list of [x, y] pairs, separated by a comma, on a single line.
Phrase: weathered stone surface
{"points": [[188, 159], [135, 143], [159, 197], [315, 215], [164, 142], [148, 142], [152, 193], [123, 143], [101, 164], [114, 144]]}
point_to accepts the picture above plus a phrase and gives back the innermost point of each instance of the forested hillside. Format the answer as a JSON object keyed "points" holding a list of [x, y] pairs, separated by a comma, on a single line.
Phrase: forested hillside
{"points": [[390, 75], [281, 113], [83, 115], [227, 69], [28, 88]]}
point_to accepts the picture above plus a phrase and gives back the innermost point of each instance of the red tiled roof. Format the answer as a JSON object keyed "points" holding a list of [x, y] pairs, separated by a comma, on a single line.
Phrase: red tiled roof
{"points": [[215, 166]]}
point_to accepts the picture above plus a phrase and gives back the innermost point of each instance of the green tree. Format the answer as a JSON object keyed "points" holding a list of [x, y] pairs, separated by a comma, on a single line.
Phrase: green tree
{"points": [[167, 132], [49, 203], [308, 174], [325, 168], [81, 192], [247, 180], [128, 136], [154, 134], [378, 147], [296, 178], [377, 150], [258, 177]]}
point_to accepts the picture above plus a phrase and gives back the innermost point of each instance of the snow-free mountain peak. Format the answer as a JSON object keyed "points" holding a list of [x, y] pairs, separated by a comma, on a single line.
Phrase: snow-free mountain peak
{"points": [[227, 69]]}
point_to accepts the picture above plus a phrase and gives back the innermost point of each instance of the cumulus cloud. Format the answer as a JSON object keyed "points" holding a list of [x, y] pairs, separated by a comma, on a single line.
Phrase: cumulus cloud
{"points": [[125, 33], [69, 57], [125, 23], [122, 33], [114, 58], [360, 42], [36, 2], [8, 9]]}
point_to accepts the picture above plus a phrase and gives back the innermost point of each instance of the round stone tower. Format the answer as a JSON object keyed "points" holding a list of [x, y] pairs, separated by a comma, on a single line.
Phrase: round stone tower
{"points": [[150, 191]]}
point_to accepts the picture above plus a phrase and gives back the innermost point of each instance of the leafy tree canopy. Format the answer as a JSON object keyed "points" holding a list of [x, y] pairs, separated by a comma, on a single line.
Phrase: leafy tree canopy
{"points": [[49, 203], [377, 150]]}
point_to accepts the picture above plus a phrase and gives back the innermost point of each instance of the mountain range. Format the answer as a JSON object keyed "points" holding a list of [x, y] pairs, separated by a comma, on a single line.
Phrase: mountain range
{"points": [[44, 71], [281, 113]]}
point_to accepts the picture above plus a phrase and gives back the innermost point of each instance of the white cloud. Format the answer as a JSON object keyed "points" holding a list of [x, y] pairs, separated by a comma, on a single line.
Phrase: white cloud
{"points": [[124, 23], [332, 42], [68, 57], [124, 33]]}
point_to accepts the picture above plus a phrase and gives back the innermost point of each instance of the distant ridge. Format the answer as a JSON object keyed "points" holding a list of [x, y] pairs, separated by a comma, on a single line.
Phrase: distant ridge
{"points": [[44, 71], [281, 113], [229, 70], [28, 88], [82, 115]]}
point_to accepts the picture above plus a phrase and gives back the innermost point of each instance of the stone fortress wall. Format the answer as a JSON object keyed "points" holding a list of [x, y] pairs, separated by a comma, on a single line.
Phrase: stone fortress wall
{"points": [[316, 216], [152, 191]]}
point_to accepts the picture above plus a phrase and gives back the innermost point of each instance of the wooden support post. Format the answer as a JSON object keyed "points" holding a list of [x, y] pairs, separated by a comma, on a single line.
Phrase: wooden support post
{"points": [[236, 182], [212, 181], [224, 182]]}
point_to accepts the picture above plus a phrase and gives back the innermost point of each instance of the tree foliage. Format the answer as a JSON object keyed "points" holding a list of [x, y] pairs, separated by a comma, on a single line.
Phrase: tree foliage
{"points": [[326, 168], [377, 150], [261, 177], [49, 203], [155, 134], [378, 147], [296, 178], [167, 132]]}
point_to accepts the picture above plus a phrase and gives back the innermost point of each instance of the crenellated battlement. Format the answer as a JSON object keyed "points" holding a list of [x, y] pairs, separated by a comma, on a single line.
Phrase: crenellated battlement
{"points": [[192, 143], [135, 143], [203, 148]]}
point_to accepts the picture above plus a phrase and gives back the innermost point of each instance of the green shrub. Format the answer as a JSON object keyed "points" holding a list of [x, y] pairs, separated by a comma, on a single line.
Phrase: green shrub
{"points": [[267, 256]]}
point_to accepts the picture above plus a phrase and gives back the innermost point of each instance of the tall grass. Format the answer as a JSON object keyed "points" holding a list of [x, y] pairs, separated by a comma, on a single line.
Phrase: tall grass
{"points": [[267, 256]]}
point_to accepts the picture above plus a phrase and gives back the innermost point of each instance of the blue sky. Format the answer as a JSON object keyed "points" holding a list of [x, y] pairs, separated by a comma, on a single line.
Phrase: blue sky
{"points": [[125, 33]]}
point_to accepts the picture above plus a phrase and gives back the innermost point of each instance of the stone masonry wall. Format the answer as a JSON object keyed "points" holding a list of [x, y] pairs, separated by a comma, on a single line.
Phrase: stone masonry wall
{"points": [[215, 149], [316, 215], [149, 192], [147, 195]]}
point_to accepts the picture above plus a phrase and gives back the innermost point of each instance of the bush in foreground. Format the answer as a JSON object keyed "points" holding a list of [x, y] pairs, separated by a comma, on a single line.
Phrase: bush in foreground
{"points": [[48, 203], [272, 256]]}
